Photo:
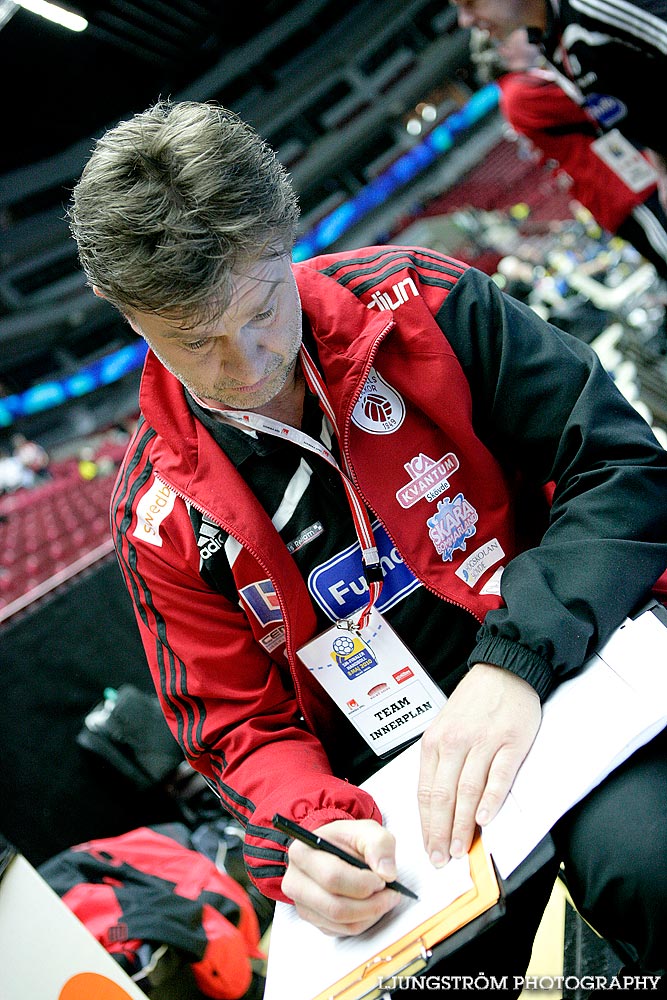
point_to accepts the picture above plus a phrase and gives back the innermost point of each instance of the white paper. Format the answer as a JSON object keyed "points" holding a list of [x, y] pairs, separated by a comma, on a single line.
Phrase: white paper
{"points": [[303, 961], [590, 724]]}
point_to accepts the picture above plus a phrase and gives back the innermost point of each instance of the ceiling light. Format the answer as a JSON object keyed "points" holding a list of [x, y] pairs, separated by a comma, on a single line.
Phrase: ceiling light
{"points": [[413, 126], [54, 13]]}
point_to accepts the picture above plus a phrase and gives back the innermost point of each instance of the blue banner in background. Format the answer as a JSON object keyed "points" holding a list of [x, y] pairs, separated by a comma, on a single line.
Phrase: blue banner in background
{"points": [[440, 140], [46, 395]]}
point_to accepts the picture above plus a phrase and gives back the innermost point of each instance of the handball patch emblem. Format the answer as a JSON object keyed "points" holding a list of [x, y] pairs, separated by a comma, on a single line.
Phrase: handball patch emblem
{"points": [[352, 655], [379, 409]]}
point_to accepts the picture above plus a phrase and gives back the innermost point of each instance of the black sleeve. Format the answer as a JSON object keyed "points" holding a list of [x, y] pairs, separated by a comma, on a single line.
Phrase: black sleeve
{"points": [[546, 408], [639, 24]]}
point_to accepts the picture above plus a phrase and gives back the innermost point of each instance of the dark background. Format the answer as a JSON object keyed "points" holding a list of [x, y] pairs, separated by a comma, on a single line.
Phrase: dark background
{"points": [[55, 665]]}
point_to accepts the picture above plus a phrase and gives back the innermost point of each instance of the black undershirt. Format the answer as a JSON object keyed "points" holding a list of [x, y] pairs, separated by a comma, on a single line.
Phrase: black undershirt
{"points": [[439, 634]]}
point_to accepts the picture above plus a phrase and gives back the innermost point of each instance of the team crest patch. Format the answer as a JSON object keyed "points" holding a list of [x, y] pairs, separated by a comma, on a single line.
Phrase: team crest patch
{"points": [[453, 523], [428, 478], [261, 598], [379, 409]]}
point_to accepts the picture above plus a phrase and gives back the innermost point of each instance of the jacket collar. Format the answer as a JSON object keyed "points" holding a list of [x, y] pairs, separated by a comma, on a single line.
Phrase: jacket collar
{"points": [[346, 333]]}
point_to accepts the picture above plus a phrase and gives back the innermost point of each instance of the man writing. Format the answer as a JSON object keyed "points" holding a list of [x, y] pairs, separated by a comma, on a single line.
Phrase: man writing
{"points": [[285, 408]]}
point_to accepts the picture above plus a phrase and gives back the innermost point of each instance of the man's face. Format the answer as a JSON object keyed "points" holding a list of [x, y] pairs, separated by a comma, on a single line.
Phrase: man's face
{"points": [[500, 17], [244, 358], [517, 53]]}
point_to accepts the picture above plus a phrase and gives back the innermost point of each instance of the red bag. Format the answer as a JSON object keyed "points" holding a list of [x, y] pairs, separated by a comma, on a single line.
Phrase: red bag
{"points": [[146, 886]]}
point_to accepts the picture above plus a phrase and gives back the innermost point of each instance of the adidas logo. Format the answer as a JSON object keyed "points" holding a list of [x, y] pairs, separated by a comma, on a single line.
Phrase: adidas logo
{"points": [[211, 539]]}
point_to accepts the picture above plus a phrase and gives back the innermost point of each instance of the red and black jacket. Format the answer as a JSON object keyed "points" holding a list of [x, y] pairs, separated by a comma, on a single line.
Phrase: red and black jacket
{"points": [[472, 373]]}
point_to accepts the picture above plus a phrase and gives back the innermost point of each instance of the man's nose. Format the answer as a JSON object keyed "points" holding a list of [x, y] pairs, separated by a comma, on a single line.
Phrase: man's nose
{"points": [[242, 364]]}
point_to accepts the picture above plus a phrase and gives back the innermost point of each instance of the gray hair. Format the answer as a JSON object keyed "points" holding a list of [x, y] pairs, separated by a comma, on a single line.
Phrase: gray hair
{"points": [[172, 202]]}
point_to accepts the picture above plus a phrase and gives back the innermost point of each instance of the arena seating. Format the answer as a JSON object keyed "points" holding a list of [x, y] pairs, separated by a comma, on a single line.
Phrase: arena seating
{"points": [[54, 530]]}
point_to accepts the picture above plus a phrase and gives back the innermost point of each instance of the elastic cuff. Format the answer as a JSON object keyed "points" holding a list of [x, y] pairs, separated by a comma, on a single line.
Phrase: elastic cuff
{"points": [[318, 817], [518, 659]]}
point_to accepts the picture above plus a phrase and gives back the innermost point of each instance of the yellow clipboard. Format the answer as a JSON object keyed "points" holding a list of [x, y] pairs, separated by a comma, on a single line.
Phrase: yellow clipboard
{"points": [[410, 953]]}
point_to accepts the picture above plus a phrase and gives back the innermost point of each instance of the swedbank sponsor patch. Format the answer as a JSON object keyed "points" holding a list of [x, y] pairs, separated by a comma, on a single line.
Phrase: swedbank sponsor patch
{"points": [[155, 505]]}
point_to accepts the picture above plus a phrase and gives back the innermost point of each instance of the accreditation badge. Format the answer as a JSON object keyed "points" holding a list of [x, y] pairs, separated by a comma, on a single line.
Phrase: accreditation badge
{"points": [[626, 162], [375, 680]]}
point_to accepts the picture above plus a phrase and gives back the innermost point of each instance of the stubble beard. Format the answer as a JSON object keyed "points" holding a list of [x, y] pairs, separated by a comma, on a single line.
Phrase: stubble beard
{"points": [[243, 401]]}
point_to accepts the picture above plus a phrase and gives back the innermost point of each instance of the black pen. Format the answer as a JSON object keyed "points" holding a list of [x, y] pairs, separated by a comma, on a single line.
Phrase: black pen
{"points": [[320, 844]]}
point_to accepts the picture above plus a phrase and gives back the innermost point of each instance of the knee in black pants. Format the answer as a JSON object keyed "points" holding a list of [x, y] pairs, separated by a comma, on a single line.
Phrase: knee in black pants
{"points": [[614, 845]]}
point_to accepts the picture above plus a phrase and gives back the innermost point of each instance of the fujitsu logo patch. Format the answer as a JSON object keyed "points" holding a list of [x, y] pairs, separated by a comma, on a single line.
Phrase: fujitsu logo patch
{"points": [[379, 409], [428, 478], [261, 598], [606, 109], [340, 587]]}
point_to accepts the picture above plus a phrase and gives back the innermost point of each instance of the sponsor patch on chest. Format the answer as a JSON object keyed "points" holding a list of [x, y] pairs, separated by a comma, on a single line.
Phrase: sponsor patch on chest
{"points": [[428, 478], [339, 586], [477, 563], [155, 505], [452, 524], [261, 599], [307, 535]]}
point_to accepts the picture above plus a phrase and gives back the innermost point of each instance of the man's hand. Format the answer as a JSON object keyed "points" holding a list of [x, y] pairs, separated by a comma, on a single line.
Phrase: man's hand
{"points": [[470, 756], [335, 896]]}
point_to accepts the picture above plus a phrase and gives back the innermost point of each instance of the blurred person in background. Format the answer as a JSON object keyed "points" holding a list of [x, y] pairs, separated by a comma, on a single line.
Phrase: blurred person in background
{"points": [[614, 54], [31, 455], [546, 113]]}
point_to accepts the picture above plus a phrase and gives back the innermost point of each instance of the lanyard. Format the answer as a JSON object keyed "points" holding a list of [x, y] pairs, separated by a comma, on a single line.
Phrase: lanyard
{"points": [[360, 518]]}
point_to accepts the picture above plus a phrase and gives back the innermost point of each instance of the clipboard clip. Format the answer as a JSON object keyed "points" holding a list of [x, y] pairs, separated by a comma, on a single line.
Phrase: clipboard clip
{"points": [[414, 963]]}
